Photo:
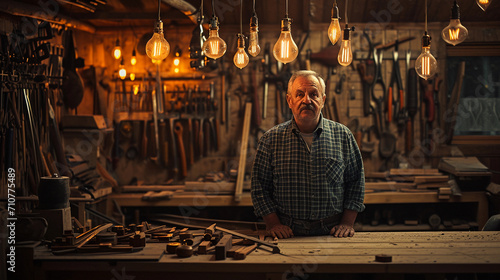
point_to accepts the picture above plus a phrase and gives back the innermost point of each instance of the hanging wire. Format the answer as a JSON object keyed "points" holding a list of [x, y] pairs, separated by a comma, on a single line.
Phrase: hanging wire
{"points": [[201, 8], [213, 7], [254, 6], [286, 9], [159, 5], [346, 21], [425, 16], [241, 17]]}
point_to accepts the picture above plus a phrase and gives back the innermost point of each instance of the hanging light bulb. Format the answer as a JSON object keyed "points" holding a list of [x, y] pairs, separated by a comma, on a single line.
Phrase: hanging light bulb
{"points": [[122, 72], [132, 76], [214, 47], [345, 52], [285, 50], [157, 47], [334, 31], [117, 50], [177, 54], [455, 33], [426, 64], [135, 89], [253, 43], [241, 58], [483, 4], [133, 59]]}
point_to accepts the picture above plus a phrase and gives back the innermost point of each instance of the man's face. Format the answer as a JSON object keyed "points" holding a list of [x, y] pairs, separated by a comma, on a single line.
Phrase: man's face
{"points": [[306, 98]]}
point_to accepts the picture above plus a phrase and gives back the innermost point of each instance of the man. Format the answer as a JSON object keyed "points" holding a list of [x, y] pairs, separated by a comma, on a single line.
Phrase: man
{"points": [[308, 177]]}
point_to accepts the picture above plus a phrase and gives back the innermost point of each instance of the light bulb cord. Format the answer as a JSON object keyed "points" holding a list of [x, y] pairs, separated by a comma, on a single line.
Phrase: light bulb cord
{"points": [[254, 6], [286, 9], [213, 7], [159, 5], [346, 20], [241, 17], [426, 16]]}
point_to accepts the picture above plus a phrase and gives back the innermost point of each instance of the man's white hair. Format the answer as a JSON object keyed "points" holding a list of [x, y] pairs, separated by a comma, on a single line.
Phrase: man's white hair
{"points": [[306, 73]]}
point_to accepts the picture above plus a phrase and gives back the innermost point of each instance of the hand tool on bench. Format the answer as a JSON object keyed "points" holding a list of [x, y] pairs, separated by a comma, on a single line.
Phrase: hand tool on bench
{"points": [[274, 247], [242, 253], [83, 239]]}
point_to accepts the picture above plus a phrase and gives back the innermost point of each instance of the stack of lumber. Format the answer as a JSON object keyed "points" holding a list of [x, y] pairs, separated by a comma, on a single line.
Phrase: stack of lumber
{"points": [[409, 180]]}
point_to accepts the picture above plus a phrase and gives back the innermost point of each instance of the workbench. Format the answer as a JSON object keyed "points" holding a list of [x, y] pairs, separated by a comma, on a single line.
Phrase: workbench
{"points": [[411, 252], [201, 200]]}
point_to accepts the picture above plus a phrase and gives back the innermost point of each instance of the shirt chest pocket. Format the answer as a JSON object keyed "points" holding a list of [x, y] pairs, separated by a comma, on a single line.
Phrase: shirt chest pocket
{"points": [[334, 171]]}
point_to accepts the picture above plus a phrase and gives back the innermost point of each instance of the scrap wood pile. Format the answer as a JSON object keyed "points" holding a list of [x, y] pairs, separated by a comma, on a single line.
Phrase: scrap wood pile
{"points": [[410, 180]]}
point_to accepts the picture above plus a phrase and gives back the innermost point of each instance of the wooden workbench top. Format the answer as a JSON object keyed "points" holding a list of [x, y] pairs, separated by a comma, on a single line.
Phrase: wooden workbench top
{"points": [[412, 252]]}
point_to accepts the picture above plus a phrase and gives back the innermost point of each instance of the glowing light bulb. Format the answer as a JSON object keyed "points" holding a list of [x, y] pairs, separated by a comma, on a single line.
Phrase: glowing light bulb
{"points": [[177, 61], [133, 59], [285, 50], [334, 30], [117, 51], [176, 70], [426, 64], [483, 4], [135, 89], [455, 33], [122, 72], [132, 76], [214, 47], [253, 43], [157, 47], [345, 52], [241, 58]]}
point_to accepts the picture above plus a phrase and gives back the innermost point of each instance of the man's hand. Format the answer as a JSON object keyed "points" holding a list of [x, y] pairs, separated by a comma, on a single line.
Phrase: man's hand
{"points": [[342, 231], [276, 228], [281, 231]]}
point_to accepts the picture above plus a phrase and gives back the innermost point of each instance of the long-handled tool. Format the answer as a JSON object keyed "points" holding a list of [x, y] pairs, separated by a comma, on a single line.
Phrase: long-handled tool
{"points": [[274, 247]]}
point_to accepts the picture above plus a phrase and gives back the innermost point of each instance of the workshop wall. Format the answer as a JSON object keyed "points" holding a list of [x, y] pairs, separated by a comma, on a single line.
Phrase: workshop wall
{"points": [[96, 49]]}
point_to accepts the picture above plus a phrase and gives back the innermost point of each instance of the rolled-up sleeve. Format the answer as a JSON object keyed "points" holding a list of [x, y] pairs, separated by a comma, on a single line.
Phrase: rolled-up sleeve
{"points": [[354, 176], [262, 181]]}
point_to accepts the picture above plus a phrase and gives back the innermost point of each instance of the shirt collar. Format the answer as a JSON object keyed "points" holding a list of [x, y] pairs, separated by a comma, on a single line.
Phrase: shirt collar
{"points": [[317, 131]]}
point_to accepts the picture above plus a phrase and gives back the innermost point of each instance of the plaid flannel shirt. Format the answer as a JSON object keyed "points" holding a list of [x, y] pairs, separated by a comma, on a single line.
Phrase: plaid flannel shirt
{"points": [[311, 184]]}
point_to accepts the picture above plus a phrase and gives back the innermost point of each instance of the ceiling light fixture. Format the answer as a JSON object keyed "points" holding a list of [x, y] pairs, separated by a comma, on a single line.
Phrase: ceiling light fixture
{"points": [[426, 64], [345, 52], [285, 50], [334, 30], [214, 47], [483, 4], [157, 47], [122, 72], [196, 43], [133, 59], [253, 43], [455, 33], [117, 50], [241, 58]]}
